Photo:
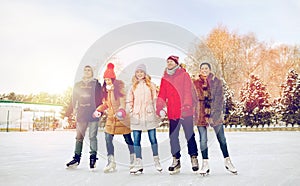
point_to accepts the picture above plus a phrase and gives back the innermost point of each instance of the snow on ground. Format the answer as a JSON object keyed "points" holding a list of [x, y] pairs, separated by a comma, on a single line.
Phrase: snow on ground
{"points": [[38, 158]]}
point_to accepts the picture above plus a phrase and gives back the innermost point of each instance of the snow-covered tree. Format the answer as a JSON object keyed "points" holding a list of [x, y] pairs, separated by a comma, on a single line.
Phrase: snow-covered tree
{"points": [[231, 116], [255, 100], [276, 108], [291, 98]]}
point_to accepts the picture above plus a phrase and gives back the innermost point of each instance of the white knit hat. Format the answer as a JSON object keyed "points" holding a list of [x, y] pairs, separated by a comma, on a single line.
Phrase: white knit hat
{"points": [[141, 67]]}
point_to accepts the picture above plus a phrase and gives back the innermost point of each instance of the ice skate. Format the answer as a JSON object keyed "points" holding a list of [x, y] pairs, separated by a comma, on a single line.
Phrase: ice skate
{"points": [[195, 164], [175, 167], [132, 160], [93, 160], [229, 166], [138, 167], [111, 164], [204, 168], [157, 163], [75, 162]]}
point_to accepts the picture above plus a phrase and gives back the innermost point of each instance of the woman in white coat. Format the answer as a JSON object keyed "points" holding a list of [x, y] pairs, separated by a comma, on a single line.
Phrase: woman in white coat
{"points": [[140, 101]]}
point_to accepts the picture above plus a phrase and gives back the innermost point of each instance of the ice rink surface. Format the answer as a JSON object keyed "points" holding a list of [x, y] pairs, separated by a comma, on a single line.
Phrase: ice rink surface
{"points": [[39, 158]]}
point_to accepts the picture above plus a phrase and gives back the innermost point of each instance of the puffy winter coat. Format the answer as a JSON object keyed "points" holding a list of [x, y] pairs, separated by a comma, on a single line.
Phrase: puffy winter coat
{"points": [[176, 92], [215, 103], [112, 105], [141, 103]]}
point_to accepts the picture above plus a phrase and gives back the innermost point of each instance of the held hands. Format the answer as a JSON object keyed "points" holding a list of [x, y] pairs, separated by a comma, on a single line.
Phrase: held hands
{"points": [[96, 114], [161, 113], [121, 114]]}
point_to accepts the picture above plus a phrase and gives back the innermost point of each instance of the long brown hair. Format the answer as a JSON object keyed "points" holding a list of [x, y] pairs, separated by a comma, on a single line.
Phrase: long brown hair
{"points": [[118, 89]]}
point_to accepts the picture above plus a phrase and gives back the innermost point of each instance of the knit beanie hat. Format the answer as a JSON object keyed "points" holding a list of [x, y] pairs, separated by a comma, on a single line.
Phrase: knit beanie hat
{"points": [[109, 72], [141, 67], [174, 58]]}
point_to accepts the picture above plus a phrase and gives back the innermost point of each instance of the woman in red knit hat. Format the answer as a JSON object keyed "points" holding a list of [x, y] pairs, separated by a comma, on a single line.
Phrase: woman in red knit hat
{"points": [[117, 121]]}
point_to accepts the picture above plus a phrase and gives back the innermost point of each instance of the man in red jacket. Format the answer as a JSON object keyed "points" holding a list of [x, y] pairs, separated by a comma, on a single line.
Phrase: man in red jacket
{"points": [[176, 93]]}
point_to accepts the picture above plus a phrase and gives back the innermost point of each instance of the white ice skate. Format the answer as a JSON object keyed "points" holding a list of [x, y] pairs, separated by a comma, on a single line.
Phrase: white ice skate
{"points": [[138, 167], [175, 167], [229, 166], [132, 160], [157, 163], [111, 165], [204, 171]]}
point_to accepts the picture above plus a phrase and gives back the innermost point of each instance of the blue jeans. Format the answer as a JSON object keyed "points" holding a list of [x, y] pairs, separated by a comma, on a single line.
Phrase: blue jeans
{"points": [[219, 130], [80, 133], [110, 146], [188, 128], [137, 142]]}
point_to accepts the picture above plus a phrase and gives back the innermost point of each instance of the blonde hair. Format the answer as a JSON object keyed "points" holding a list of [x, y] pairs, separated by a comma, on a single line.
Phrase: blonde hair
{"points": [[147, 81]]}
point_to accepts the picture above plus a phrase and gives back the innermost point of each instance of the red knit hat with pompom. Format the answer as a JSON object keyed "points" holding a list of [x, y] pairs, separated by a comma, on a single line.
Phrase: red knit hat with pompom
{"points": [[109, 72], [174, 58]]}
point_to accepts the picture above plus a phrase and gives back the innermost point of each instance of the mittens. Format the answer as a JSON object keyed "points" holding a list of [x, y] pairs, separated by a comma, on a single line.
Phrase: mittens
{"points": [[97, 114], [120, 114]]}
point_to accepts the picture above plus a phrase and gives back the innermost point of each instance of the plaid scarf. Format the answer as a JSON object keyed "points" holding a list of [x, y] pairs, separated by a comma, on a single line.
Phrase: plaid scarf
{"points": [[207, 99]]}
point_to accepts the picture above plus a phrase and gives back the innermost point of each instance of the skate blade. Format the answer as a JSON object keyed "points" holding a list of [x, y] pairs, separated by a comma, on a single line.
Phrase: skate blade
{"points": [[204, 174], [174, 172], [93, 169], [109, 170], [233, 172], [72, 166], [140, 171], [159, 170]]}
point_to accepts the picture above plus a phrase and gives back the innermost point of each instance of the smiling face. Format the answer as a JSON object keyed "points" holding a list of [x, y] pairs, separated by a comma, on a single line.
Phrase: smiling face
{"points": [[204, 70], [108, 81], [171, 64], [139, 74], [87, 72]]}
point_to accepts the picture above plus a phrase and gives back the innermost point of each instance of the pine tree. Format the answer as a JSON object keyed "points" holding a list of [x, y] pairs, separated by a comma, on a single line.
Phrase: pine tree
{"points": [[291, 98], [276, 109], [230, 111], [255, 100], [67, 101]]}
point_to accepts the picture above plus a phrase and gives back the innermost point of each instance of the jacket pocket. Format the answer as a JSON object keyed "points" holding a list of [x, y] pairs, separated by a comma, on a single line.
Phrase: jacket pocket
{"points": [[134, 118]]}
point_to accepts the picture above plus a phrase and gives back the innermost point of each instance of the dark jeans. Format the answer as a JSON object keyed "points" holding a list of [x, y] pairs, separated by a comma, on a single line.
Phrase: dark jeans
{"points": [[188, 128], [80, 134], [137, 142], [110, 146], [219, 130]]}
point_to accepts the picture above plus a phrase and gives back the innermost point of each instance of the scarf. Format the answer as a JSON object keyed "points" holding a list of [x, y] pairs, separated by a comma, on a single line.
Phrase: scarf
{"points": [[207, 99], [172, 71], [87, 80]]}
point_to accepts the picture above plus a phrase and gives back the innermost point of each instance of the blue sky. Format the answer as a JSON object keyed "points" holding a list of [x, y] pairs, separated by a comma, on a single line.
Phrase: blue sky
{"points": [[42, 42]]}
